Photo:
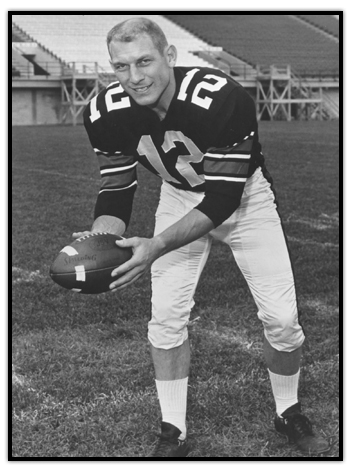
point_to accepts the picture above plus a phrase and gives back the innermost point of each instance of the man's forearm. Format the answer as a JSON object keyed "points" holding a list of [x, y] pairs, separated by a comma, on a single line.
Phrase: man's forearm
{"points": [[192, 226], [109, 224]]}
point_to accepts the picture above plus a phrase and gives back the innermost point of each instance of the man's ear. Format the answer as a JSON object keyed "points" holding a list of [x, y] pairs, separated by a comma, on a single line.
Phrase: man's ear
{"points": [[171, 54]]}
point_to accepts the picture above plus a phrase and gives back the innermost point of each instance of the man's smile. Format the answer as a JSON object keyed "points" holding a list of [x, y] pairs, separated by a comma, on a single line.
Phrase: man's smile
{"points": [[141, 90]]}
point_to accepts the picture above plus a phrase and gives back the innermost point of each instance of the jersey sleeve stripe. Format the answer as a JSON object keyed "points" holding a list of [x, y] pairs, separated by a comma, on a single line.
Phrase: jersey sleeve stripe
{"points": [[107, 153], [108, 162], [226, 174], [227, 160], [116, 169], [118, 179], [118, 164], [117, 188], [225, 178], [231, 169], [230, 166], [226, 156]]}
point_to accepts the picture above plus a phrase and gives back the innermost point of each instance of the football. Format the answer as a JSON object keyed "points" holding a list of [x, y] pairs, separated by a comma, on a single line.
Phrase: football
{"points": [[86, 264]]}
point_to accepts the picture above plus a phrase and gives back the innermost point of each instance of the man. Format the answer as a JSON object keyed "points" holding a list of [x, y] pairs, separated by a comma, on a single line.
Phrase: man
{"points": [[196, 128]]}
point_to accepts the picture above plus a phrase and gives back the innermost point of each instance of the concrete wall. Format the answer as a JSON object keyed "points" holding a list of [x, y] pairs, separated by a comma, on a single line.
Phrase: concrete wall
{"points": [[36, 106], [22, 110]]}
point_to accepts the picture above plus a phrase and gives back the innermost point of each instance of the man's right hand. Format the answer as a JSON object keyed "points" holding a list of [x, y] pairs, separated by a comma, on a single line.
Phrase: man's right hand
{"points": [[104, 223]]}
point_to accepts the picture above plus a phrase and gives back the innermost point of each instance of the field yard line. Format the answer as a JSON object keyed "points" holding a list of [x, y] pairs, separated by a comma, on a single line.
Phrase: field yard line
{"points": [[313, 223], [22, 275], [312, 242], [57, 173]]}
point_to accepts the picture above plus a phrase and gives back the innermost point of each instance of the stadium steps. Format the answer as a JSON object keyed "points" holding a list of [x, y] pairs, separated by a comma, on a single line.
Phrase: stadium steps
{"points": [[325, 23], [267, 39], [331, 104], [330, 100], [27, 39], [229, 64], [44, 63], [16, 38], [21, 67], [15, 71], [19, 36], [81, 39], [316, 28]]}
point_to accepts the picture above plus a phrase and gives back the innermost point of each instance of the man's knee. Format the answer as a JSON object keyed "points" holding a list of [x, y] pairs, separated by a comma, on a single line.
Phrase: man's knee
{"points": [[283, 332], [170, 315], [168, 333]]}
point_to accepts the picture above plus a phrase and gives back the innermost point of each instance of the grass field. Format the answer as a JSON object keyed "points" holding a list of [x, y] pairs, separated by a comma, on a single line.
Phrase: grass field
{"points": [[82, 379]]}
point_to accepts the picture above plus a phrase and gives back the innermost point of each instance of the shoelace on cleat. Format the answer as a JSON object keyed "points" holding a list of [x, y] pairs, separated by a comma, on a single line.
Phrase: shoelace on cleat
{"points": [[299, 425]]}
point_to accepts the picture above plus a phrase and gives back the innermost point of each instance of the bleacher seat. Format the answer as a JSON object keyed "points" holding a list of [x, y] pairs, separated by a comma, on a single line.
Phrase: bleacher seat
{"points": [[82, 38], [266, 40], [21, 67], [326, 23], [16, 38], [15, 72]]}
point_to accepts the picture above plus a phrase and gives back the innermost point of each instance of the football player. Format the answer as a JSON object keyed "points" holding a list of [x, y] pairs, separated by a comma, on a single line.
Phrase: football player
{"points": [[196, 129]]}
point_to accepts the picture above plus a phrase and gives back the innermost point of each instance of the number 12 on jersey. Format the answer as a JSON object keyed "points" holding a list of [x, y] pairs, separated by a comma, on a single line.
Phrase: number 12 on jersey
{"points": [[201, 102], [147, 148]]}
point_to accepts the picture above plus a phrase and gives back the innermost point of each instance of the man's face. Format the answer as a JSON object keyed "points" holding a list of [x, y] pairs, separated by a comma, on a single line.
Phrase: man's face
{"points": [[145, 74]]}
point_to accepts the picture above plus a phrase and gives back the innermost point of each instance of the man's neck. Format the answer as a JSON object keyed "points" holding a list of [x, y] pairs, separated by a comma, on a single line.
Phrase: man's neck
{"points": [[163, 104]]}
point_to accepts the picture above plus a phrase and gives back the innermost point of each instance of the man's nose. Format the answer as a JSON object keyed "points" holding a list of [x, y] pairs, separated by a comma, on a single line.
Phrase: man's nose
{"points": [[136, 75]]}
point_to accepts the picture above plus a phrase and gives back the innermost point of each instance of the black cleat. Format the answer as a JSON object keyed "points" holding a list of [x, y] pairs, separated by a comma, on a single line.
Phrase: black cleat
{"points": [[298, 429], [169, 445]]}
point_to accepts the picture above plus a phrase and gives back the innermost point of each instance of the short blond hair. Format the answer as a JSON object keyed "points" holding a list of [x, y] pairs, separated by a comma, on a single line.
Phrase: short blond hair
{"points": [[130, 29]]}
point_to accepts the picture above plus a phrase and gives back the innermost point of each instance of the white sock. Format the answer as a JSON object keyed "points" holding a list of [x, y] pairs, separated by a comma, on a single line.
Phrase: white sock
{"points": [[173, 402], [285, 390]]}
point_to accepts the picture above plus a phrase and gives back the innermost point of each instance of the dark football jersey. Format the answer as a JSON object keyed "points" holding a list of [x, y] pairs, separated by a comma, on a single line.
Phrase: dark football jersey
{"points": [[207, 142]]}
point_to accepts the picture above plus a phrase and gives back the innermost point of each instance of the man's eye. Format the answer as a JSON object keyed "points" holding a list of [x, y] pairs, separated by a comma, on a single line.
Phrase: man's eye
{"points": [[120, 68], [144, 62]]}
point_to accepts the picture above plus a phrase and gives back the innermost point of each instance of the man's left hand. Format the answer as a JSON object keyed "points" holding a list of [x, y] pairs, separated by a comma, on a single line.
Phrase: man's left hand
{"points": [[145, 252]]}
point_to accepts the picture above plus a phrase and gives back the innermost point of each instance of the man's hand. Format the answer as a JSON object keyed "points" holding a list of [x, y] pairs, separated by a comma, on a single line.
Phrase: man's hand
{"points": [[104, 223], [77, 235], [145, 252]]}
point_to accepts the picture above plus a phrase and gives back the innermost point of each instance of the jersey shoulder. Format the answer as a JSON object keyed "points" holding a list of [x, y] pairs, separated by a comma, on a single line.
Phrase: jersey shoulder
{"points": [[207, 103], [207, 89], [110, 116]]}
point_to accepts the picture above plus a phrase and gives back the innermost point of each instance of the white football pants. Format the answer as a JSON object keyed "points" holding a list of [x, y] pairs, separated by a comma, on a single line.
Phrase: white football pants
{"points": [[255, 236]]}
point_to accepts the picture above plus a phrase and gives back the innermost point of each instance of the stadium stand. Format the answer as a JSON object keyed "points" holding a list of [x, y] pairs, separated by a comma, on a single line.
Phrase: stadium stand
{"points": [[45, 62], [20, 65], [82, 38], [326, 23], [288, 64], [15, 71], [16, 38], [267, 39]]}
